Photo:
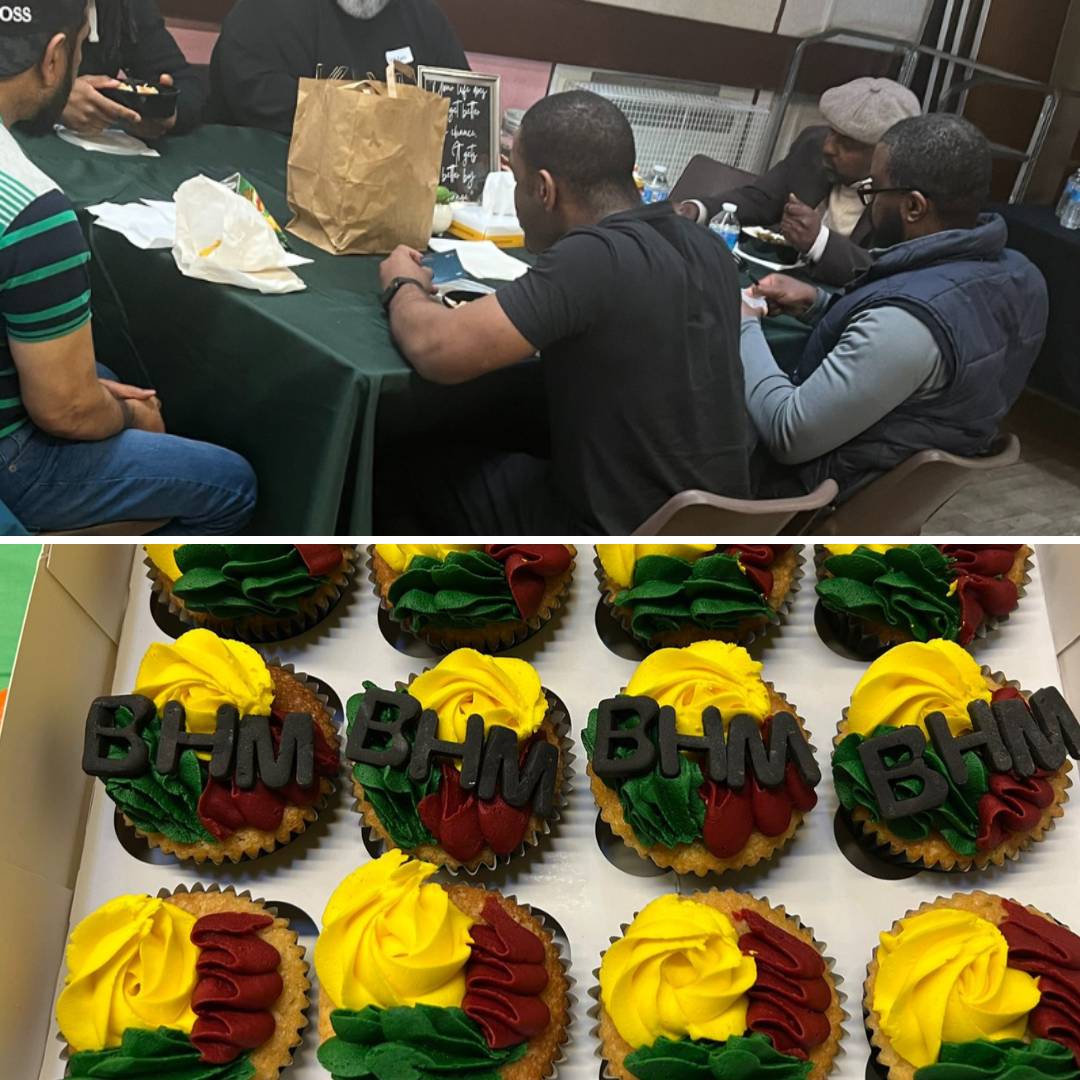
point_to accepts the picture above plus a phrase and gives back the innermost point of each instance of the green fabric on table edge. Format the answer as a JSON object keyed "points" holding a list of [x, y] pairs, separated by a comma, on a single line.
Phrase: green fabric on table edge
{"points": [[18, 564]]}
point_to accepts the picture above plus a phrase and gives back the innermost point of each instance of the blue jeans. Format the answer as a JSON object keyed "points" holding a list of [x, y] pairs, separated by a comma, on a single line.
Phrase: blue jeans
{"points": [[53, 484]]}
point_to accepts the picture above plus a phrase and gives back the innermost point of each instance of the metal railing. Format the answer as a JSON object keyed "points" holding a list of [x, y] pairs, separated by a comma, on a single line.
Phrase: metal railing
{"points": [[978, 74]]}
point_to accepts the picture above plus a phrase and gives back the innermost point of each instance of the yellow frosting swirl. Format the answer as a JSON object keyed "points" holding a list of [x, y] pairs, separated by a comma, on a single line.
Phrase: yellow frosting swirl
{"points": [[944, 977], [903, 687], [618, 559], [203, 672], [677, 972], [131, 964], [847, 549], [389, 940], [163, 556], [703, 674], [399, 556], [505, 692]]}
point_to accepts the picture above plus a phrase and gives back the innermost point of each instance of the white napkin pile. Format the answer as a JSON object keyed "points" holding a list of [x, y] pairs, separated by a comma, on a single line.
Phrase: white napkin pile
{"points": [[482, 259]]}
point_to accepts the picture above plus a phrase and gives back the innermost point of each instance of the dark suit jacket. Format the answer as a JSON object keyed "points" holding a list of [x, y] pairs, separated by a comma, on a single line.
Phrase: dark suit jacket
{"points": [[801, 173]]}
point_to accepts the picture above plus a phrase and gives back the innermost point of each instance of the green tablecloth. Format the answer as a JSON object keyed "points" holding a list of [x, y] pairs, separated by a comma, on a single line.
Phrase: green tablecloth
{"points": [[18, 563], [294, 383]]}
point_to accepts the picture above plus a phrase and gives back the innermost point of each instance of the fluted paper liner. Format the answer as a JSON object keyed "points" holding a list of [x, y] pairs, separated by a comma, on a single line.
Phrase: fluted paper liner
{"points": [[491, 638], [837, 1013], [260, 629], [293, 967], [376, 832], [270, 842], [869, 645], [885, 845], [690, 860], [751, 632]]}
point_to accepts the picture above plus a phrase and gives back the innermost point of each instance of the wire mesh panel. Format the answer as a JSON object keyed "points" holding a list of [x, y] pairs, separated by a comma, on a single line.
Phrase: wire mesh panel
{"points": [[670, 127]]}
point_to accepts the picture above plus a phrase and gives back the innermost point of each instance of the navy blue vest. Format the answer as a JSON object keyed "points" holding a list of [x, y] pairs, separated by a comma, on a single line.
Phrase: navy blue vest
{"points": [[987, 308]]}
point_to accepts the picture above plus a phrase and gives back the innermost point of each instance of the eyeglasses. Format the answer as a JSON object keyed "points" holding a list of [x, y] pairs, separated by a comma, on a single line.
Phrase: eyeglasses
{"points": [[868, 193]]}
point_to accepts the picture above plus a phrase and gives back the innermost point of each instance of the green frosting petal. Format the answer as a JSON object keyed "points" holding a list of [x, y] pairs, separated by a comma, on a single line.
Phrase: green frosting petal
{"points": [[467, 590], [712, 593], [157, 803], [907, 588], [418, 1043], [1008, 1059], [147, 1055], [749, 1057], [659, 810], [394, 796], [236, 581], [957, 819]]}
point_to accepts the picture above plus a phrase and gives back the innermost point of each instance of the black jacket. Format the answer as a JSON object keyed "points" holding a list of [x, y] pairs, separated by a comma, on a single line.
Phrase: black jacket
{"points": [[801, 173], [147, 53], [267, 46]]}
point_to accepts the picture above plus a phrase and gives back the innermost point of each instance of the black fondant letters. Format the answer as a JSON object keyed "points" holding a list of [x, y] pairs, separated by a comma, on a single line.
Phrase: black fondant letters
{"points": [[175, 738], [101, 731], [611, 737], [1033, 743], [536, 782], [296, 752], [986, 736], [711, 744], [428, 745], [369, 732], [935, 788]]}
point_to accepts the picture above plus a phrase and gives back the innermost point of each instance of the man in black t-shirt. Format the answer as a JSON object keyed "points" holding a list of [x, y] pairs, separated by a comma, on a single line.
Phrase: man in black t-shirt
{"points": [[267, 46], [635, 312]]}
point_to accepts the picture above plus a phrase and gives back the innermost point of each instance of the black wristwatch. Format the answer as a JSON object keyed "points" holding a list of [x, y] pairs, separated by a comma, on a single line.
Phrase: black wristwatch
{"points": [[395, 287]]}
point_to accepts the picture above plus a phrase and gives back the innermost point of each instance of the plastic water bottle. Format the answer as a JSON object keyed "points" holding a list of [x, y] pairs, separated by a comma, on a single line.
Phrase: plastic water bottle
{"points": [[1066, 196], [657, 188], [726, 225], [1070, 218]]}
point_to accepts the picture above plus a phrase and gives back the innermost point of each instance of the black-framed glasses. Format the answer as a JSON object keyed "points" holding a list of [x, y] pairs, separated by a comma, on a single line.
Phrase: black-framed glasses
{"points": [[868, 193]]}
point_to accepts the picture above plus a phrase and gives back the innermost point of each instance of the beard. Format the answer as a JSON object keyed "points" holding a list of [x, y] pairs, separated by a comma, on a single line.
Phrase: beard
{"points": [[362, 9], [888, 229], [50, 110]]}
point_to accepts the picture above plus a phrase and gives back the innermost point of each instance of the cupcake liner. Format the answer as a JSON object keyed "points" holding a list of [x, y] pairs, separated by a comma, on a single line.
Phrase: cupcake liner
{"points": [[259, 629], [856, 635], [837, 980], [622, 829], [559, 718], [500, 637], [750, 633], [198, 887], [894, 851], [271, 843]]}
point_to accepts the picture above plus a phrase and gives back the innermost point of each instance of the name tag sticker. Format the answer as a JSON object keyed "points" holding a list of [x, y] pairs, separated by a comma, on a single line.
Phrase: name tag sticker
{"points": [[404, 55]]}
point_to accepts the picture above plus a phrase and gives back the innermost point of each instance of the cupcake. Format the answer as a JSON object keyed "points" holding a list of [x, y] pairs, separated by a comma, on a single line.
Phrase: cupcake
{"points": [[253, 592], [975, 986], [215, 754], [424, 980], [879, 595], [675, 594], [477, 596], [463, 767], [933, 762], [699, 765], [718, 984], [193, 984]]}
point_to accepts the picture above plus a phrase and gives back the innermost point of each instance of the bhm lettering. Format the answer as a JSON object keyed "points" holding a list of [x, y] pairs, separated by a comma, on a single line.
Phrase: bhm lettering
{"points": [[622, 752], [245, 748], [489, 765], [1009, 735]]}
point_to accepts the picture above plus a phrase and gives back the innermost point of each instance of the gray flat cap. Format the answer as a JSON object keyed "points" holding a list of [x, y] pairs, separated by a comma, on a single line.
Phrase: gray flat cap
{"points": [[865, 109]]}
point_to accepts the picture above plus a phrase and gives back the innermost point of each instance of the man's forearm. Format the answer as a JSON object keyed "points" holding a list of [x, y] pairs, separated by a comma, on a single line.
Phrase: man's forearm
{"points": [[414, 322], [101, 417]]}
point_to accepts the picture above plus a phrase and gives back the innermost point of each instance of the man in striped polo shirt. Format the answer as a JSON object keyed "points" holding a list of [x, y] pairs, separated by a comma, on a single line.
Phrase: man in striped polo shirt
{"points": [[77, 448]]}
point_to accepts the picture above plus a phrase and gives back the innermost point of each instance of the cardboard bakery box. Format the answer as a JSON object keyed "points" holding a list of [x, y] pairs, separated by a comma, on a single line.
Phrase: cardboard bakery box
{"points": [[61, 855]]}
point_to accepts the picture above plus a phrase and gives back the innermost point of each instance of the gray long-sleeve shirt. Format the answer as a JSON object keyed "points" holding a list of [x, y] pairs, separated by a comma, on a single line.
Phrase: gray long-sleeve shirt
{"points": [[885, 357]]}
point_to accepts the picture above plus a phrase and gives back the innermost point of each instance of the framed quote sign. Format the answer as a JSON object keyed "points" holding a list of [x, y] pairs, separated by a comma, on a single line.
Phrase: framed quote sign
{"points": [[471, 150]]}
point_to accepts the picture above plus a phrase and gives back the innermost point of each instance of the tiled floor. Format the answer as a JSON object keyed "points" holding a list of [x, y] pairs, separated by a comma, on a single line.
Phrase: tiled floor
{"points": [[1040, 495]]}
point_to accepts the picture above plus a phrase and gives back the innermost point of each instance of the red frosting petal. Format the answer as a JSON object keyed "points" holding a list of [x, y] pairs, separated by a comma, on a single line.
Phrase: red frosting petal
{"points": [[792, 1030], [1013, 804], [729, 819], [502, 825], [452, 817], [224, 1036], [213, 992], [1051, 952], [527, 565], [755, 560], [771, 807], [504, 977], [320, 559], [992, 559]]}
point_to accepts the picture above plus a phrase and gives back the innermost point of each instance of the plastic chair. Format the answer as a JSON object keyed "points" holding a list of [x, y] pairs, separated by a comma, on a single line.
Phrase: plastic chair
{"points": [[704, 176], [697, 513], [900, 502]]}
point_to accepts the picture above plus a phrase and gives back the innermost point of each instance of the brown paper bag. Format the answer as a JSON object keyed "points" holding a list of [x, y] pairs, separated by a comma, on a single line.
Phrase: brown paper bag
{"points": [[364, 163]]}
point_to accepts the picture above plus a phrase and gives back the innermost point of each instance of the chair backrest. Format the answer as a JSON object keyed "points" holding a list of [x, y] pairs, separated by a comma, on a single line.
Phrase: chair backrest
{"points": [[704, 176], [900, 502], [697, 513]]}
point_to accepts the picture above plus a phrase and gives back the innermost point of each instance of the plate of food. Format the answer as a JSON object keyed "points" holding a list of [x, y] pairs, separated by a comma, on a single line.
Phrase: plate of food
{"points": [[154, 101], [768, 248], [766, 236]]}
